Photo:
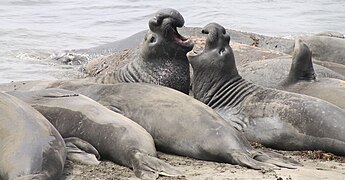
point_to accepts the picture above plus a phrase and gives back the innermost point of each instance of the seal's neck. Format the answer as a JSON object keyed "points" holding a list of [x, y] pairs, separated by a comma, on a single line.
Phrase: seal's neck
{"points": [[208, 79], [220, 85], [170, 73]]}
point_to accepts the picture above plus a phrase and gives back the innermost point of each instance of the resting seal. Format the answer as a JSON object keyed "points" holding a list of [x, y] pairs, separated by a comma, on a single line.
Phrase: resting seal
{"points": [[325, 48], [272, 72], [274, 118], [30, 147], [162, 58], [170, 117], [116, 137], [302, 79]]}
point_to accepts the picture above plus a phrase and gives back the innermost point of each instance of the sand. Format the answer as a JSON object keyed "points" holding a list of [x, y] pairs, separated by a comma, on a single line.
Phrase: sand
{"points": [[328, 167]]}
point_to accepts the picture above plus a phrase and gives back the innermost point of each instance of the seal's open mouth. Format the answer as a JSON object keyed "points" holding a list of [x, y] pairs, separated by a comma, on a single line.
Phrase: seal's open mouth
{"points": [[179, 38]]}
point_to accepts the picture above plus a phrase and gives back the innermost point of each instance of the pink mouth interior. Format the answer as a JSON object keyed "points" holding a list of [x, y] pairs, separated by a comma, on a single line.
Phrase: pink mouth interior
{"points": [[181, 39]]}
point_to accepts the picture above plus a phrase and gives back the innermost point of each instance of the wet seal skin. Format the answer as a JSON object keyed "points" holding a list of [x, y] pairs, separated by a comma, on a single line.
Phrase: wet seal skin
{"points": [[114, 136], [274, 118], [30, 147], [161, 58]]}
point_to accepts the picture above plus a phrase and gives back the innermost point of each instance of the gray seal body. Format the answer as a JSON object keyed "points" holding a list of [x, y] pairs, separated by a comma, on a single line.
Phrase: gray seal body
{"points": [[274, 118], [161, 59], [30, 147], [116, 137]]}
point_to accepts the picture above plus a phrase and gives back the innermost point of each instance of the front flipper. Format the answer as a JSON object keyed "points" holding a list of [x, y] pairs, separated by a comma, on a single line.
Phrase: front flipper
{"points": [[149, 167], [81, 151]]}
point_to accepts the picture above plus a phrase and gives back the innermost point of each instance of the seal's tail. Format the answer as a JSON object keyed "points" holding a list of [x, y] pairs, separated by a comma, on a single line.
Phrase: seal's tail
{"points": [[149, 167]]}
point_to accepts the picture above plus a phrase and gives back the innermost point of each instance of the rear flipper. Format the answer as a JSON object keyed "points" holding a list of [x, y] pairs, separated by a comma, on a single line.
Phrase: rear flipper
{"points": [[259, 160], [276, 159], [81, 151], [149, 167]]}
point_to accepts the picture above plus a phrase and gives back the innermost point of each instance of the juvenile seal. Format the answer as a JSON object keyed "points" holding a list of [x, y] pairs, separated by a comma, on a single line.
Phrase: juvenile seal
{"points": [[274, 118], [162, 58], [116, 137], [302, 79], [30, 147]]}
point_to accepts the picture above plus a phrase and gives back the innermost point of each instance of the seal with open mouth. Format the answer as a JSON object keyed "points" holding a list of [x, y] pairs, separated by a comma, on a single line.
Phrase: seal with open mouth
{"points": [[274, 118], [162, 58]]}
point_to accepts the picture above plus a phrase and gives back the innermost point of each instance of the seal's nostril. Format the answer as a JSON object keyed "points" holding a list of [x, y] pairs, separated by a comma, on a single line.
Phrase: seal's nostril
{"points": [[153, 39], [204, 31], [221, 51]]}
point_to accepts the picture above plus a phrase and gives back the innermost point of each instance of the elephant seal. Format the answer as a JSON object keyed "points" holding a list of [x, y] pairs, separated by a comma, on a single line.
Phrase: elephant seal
{"points": [[170, 117], [274, 118], [30, 147], [331, 49], [272, 72], [302, 79], [116, 137], [162, 58]]}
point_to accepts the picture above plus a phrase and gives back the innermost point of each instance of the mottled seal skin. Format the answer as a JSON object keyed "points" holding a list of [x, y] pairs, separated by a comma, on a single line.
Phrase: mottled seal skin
{"points": [[274, 118], [30, 147], [116, 137], [302, 79], [162, 58]]}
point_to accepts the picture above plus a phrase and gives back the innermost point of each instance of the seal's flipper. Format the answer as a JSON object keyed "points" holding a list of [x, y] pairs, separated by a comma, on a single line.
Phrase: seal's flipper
{"points": [[275, 155], [81, 151], [33, 177], [302, 65], [149, 167], [275, 160], [244, 159]]}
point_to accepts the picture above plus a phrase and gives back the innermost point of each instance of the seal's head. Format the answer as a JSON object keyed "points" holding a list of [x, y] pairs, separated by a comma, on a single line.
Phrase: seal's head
{"points": [[163, 37], [217, 58], [302, 66]]}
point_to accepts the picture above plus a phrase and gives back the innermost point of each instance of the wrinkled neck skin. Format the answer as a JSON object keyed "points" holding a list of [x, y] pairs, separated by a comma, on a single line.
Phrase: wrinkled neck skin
{"points": [[220, 88], [159, 65], [207, 81]]}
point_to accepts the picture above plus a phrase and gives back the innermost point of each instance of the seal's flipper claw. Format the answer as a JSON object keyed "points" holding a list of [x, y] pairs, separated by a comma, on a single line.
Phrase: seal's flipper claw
{"points": [[149, 167], [243, 159], [281, 157], [81, 151], [276, 159]]}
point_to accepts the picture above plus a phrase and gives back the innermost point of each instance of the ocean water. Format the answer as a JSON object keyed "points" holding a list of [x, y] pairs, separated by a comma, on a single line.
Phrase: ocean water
{"points": [[32, 30]]}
